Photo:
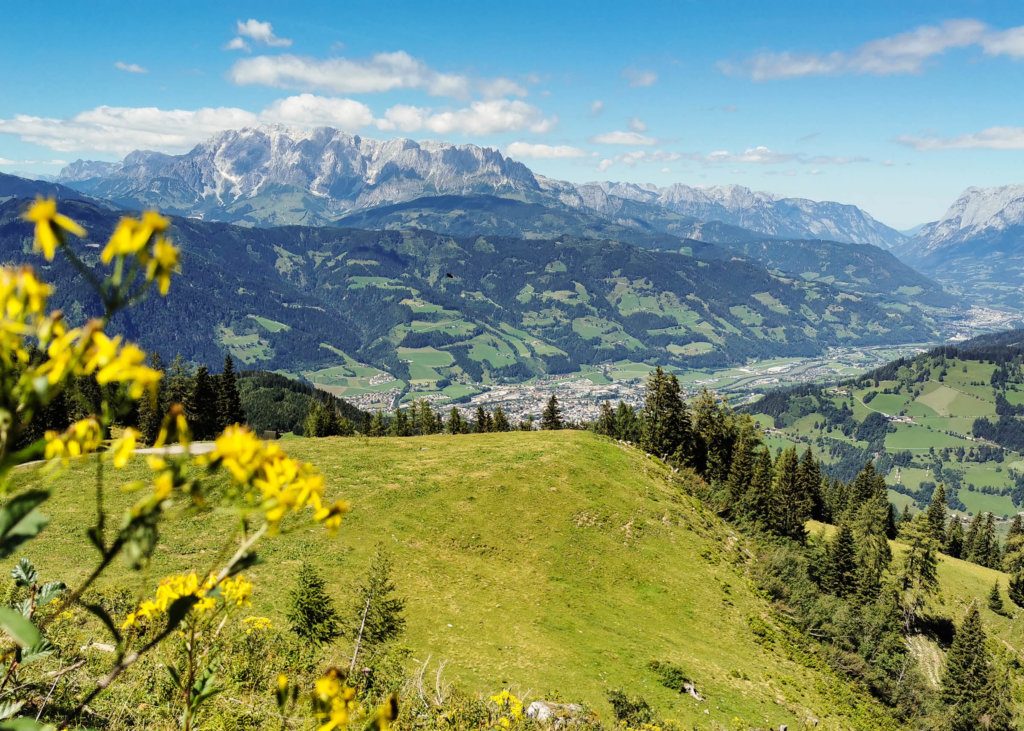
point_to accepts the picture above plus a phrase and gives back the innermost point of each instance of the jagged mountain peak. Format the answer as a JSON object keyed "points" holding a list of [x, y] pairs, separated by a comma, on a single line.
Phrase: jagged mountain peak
{"points": [[274, 174]]}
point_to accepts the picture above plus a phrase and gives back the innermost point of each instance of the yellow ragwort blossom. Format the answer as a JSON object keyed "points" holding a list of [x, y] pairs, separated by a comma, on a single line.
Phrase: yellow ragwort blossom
{"points": [[509, 704], [23, 300], [123, 447], [111, 360], [335, 701], [163, 264], [233, 592], [269, 478], [82, 437], [50, 225], [123, 242], [261, 624]]}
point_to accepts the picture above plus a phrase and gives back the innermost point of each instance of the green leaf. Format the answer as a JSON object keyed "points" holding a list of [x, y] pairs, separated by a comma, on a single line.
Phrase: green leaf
{"points": [[103, 615], [38, 651], [50, 591], [24, 573], [20, 521], [9, 708], [179, 609], [25, 724], [18, 628]]}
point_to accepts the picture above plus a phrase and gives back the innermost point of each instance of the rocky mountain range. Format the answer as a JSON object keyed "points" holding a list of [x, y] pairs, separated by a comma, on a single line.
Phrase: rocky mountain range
{"points": [[273, 175]]}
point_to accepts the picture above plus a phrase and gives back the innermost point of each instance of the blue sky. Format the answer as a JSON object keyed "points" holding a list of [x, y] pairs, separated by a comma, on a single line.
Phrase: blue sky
{"points": [[896, 107]]}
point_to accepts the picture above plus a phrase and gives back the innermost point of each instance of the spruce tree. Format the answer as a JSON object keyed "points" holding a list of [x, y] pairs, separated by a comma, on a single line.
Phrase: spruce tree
{"points": [[842, 562], [809, 479], [792, 506], [551, 418], [153, 406], [995, 599], [311, 613], [482, 421], [605, 423], [627, 427], [201, 406], [664, 421], [1015, 589], [501, 421], [970, 549], [906, 517], [713, 437], [229, 400], [1016, 528], [756, 506], [322, 421], [400, 424], [378, 426], [741, 472], [873, 552], [917, 576], [456, 424], [955, 538], [178, 381], [966, 680], [937, 515], [377, 614]]}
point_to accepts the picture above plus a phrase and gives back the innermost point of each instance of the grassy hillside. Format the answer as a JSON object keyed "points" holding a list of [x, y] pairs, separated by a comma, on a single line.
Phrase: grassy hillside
{"points": [[548, 562], [920, 415]]}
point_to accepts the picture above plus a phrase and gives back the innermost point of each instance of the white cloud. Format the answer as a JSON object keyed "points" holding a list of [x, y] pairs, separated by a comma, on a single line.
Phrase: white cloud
{"points": [[1009, 42], [7, 162], [236, 44], [760, 155], [620, 137], [540, 151], [639, 77], [380, 73], [131, 68], [605, 164], [309, 110], [261, 32], [993, 138], [637, 157], [904, 53], [123, 129], [480, 118], [501, 87], [637, 125], [596, 107]]}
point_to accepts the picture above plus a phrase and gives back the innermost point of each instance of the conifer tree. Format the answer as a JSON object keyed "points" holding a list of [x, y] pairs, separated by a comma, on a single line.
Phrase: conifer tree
{"points": [[153, 406], [323, 421], [456, 424], [791, 504], [741, 472], [627, 427], [756, 506], [873, 552], [967, 678], [526, 424], [378, 613], [955, 538], [713, 437], [201, 406], [937, 515], [1016, 528], [842, 562], [378, 427], [179, 381], [664, 421], [551, 418], [973, 538], [229, 400], [917, 576], [906, 517], [809, 480], [1015, 589], [501, 421], [866, 486], [311, 613], [995, 599], [480, 423], [605, 423]]}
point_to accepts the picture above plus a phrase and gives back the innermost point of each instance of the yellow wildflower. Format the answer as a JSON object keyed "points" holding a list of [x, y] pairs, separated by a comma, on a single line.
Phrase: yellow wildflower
{"points": [[82, 437], [123, 448], [50, 225], [508, 703], [262, 624], [335, 702], [163, 263], [123, 241], [175, 587]]}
